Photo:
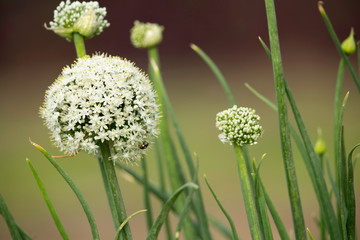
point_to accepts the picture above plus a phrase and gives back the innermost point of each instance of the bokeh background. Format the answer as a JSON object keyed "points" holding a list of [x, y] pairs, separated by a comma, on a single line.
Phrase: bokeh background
{"points": [[32, 57]]}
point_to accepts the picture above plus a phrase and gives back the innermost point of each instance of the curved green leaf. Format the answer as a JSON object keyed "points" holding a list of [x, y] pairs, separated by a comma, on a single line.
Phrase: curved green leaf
{"points": [[117, 235], [48, 202], [228, 217], [155, 229]]}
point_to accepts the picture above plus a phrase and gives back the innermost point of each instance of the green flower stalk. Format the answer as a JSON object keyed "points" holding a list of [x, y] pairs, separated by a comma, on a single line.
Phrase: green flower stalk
{"points": [[146, 35], [239, 126], [349, 44], [85, 18]]}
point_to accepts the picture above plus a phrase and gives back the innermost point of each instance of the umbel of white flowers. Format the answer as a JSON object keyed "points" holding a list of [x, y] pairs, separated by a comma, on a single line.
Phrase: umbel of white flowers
{"points": [[102, 99], [239, 126], [146, 35], [85, 18]]}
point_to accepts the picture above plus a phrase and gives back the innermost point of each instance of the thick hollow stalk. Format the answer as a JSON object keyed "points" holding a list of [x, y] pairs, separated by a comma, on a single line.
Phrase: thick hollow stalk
{"points": [[288, 160], [248, 194], [112, 189], [79, 44]]}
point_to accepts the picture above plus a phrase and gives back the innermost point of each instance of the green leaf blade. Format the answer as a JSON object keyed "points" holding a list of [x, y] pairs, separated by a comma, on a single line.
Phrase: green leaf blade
{"points": [[48, 202]]}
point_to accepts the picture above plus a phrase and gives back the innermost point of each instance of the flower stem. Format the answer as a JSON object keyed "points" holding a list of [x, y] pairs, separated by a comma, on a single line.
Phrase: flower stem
{"points": [[112, 189], [248, 194], [289, 165], [79, 44]]}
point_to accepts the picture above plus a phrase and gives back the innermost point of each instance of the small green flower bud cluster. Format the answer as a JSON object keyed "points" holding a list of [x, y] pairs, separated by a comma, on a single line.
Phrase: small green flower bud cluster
{"points": [[146, 35], [102, 99], [85, 18], [239, 126]]}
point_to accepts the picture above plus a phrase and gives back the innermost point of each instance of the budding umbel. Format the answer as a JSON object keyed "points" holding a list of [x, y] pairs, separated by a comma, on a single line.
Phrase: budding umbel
{"points": [[146, 35]]}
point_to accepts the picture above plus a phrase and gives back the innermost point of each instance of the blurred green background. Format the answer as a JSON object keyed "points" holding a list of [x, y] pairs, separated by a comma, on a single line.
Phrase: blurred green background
{"points": [[31, 58]]}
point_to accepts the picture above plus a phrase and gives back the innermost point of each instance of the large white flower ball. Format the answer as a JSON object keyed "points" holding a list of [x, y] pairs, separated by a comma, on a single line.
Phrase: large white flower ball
{"points": [[102, 99]]}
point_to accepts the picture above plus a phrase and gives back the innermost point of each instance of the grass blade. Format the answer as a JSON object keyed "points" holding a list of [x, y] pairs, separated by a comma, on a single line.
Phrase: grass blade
{"points": [[289, 165], [351, 203], [275, 215], [261, 204], [341, 172], [155, 229], [14, 231], [310, 235], [228, 217], [48, 202], [188, 203], [75, 189], [337, 107], [221, 227], [216, 71], [337, 43], [184, 213], [117, 235], [267, 50]]}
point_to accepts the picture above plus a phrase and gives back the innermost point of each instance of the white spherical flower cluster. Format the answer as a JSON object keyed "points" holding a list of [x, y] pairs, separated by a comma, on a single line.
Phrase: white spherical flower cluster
{"points": [[86, 18], [239, 126], [146, 35], [102, 99]]}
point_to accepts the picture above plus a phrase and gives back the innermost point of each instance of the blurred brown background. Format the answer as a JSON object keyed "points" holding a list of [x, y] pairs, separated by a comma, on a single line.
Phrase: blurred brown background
{"points": [[32, 57]]}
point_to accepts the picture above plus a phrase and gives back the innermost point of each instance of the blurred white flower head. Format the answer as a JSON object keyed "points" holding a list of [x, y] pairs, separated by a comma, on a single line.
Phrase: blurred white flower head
{"points": [[102, 98], [86, 18], [239, 126]]}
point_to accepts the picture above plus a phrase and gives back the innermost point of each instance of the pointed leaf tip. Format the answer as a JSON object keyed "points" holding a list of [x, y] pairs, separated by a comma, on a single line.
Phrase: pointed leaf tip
{"points": [[320, 6]]}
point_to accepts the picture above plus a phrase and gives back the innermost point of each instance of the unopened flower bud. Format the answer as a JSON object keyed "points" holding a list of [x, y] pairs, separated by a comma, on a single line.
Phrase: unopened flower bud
{"points": [[85, 18], [320, 146], [146, 35], [349, 44], [87, 24], [239, 126]]}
